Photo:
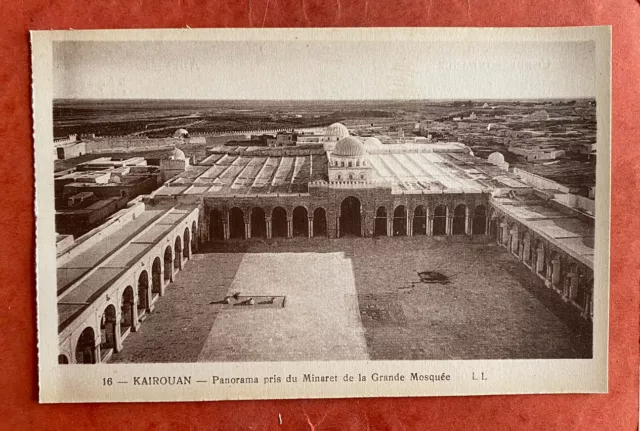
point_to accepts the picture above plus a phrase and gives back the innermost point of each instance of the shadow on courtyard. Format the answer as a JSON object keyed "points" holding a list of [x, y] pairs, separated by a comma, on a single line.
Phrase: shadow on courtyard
{"points": [[487, 305], [490, 307]]}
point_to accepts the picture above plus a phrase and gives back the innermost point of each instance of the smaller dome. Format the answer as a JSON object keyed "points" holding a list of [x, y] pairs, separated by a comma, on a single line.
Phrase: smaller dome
{"points": [[372, 143], [180, 133], [337, 130], [349, 147], [496, 158], [178, 154]]}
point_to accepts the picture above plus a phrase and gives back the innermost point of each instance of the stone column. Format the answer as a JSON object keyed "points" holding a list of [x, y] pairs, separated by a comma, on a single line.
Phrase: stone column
{"points": [[225, 226], [150, 306], [310, 223], [247, 230], [118, 343], [429, 225], [409, 225], [548, 273], [586, 313], [97, 353], [389, 225], [289, 227], [135, 325], [162, 280], [449, 223], [268, 222], [363, 224], [469, 227], [332, 220], [337, 226]]}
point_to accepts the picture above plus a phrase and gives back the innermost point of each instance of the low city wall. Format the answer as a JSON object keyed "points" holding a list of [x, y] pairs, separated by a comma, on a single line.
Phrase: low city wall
{"points": [[108, 145]]}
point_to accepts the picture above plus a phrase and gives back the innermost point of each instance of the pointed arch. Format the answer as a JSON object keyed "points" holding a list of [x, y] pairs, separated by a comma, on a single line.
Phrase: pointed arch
{"points": [[440, 220], [380, 223], [319, 222], [419, 221], [279, 223], [479, 220], [400, 221], [108, 330], [300, 222], [258, 223], [236, 223], [350, 218], [459, 220], [216, 226], [86, 347]]}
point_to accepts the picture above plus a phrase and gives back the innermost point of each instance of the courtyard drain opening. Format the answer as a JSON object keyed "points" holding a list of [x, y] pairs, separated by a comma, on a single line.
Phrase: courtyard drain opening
{"points": [[238, 302]]}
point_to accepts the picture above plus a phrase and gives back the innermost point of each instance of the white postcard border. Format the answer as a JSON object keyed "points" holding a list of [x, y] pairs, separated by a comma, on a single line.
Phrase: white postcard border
{"points": [[469, 377]]}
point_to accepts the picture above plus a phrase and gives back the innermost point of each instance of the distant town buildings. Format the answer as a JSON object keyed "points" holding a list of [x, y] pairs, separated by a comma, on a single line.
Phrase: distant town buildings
{"points": [[94, 190], [537, 153], [327, 184], [68, 148]]}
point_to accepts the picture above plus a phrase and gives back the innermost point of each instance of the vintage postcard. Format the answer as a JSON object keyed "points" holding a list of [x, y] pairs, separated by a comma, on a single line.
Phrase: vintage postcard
{"points": [[305, 213]]}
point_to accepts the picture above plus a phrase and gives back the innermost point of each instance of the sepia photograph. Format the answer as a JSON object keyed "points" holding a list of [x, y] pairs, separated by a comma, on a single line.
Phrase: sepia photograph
{"points": [[323, 199]]}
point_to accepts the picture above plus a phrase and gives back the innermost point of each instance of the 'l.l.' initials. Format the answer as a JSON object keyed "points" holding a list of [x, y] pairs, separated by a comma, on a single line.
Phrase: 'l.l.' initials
{"points": [[480, 377]]}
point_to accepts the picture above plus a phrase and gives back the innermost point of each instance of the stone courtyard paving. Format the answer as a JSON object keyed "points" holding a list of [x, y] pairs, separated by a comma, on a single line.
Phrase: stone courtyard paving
{"points": [[358, 298]]}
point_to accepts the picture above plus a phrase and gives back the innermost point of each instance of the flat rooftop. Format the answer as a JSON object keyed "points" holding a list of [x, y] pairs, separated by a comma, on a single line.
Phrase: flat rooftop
{"points": [[266, 173], [416, 168], [407, 172], [85, 277], [570, 233]]}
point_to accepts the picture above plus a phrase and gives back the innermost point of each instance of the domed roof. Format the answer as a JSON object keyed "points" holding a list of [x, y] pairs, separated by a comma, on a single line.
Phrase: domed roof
{"points": [[496, 158], [349, 147], [178, 154], [372, 143], [180, 133], [338, 130]]}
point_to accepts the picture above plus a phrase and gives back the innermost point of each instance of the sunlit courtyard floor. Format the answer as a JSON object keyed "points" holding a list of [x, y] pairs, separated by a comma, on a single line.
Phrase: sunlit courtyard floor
{"points": [[357, 298]]}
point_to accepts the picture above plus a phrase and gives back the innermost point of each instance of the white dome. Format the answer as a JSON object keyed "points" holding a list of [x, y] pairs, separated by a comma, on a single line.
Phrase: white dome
{"points": [[372, 143], [337, 130], [496, 158], [178, 154], [180, 133], [349, 147]]}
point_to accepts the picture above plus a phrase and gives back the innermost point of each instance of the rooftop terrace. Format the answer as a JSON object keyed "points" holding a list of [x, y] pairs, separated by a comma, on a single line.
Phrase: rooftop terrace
{"points": [[83, 278]]}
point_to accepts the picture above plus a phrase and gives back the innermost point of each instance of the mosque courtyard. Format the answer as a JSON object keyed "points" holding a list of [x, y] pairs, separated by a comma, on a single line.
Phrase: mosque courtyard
{"points": [[357, 298]]}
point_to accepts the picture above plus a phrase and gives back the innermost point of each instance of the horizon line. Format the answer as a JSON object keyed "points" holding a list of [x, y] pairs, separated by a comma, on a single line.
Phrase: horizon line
{"points": [[321, 100]]}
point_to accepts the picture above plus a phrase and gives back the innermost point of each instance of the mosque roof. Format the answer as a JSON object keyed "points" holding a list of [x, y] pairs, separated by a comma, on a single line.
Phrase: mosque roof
{"points": [[349, 147], [372, 143], [338, 130]]}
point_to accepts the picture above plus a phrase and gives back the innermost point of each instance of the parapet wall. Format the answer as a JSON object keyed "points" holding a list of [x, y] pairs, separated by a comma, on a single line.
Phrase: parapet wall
{"points": [[540, 182], [578, 202]]}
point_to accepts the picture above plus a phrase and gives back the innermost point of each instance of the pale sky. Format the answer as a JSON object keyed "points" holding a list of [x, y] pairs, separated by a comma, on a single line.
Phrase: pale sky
{"points": [[323, 70]]}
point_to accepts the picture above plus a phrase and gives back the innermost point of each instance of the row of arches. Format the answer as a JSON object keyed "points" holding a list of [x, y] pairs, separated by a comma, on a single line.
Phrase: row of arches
{"points": [[134, 302], [276, 225], [436, 224], [237, 224], [573, 281]]}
